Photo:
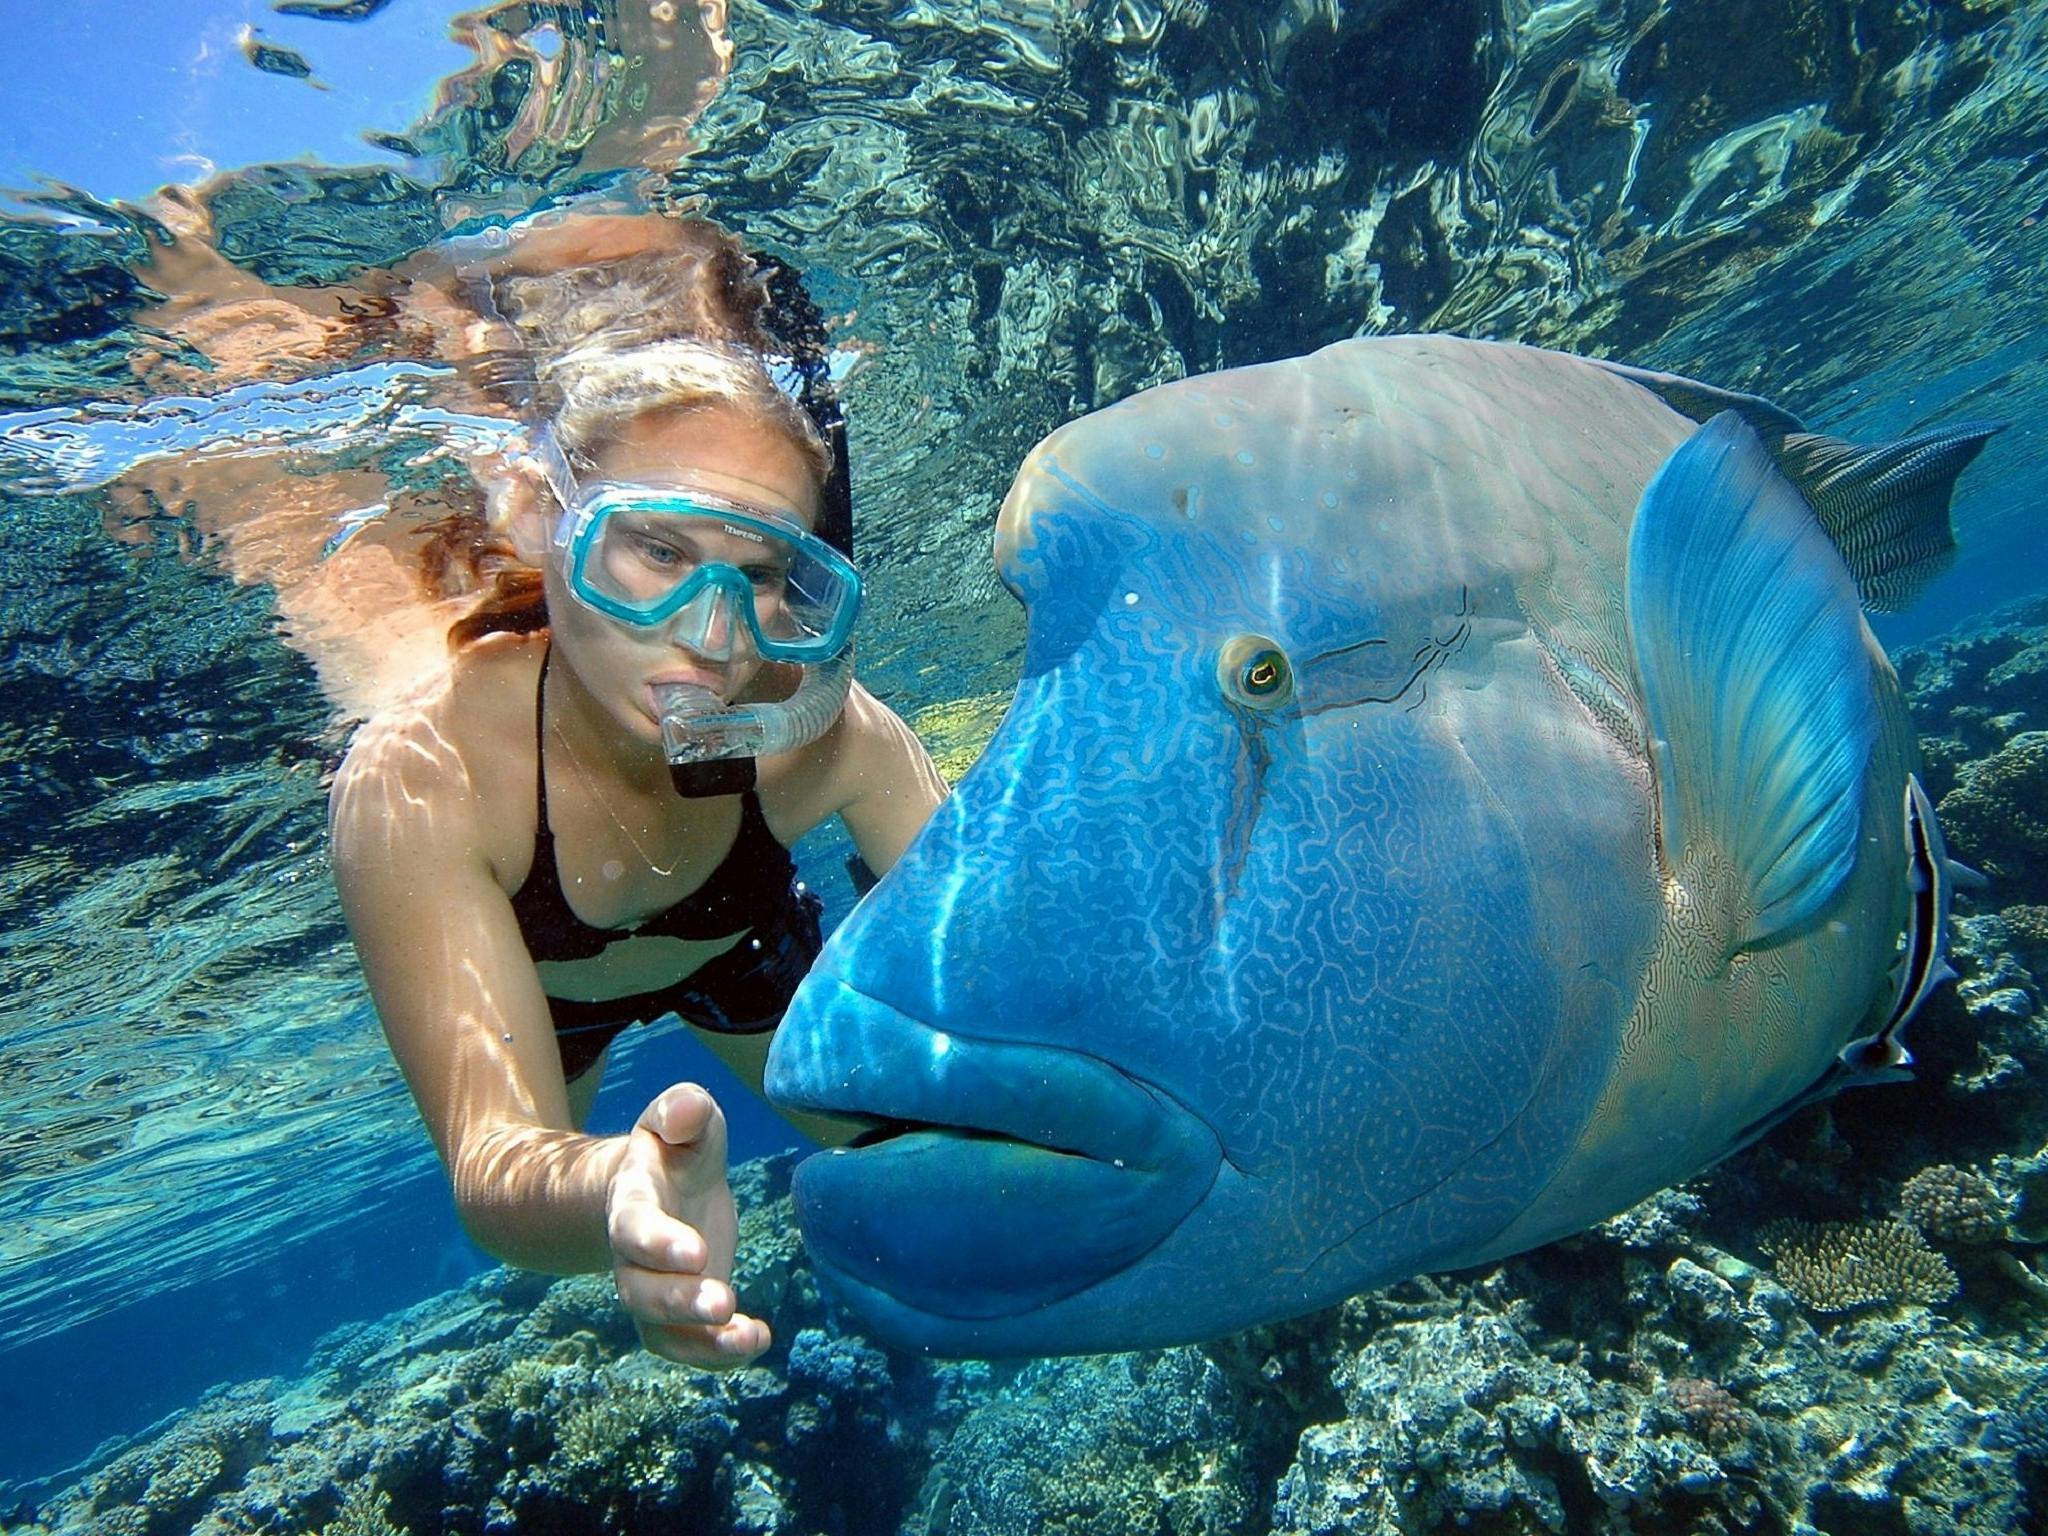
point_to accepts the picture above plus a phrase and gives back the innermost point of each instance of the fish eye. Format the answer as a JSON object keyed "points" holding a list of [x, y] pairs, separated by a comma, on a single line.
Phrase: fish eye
{"points": [[1255, 673]]}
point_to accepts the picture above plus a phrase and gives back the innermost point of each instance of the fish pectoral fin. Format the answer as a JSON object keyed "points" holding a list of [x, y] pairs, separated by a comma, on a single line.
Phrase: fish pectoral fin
{"points": [[1757, 683], [1887, 506]]}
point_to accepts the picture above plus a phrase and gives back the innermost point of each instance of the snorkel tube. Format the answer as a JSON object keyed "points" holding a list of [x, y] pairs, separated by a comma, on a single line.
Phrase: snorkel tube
{"points": [[711, 745]]}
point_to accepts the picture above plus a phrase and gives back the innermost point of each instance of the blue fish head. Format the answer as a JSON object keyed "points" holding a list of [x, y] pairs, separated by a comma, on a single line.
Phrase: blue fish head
{"points": [[1145, 1021]]}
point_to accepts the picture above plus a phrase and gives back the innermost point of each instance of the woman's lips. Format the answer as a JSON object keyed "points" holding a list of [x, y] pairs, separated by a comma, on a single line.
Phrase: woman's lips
{"points": [[695, 677], [710, 682]]}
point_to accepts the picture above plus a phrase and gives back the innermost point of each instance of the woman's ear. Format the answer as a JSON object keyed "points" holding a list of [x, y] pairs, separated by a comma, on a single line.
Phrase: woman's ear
{"points": [[521, 506]]}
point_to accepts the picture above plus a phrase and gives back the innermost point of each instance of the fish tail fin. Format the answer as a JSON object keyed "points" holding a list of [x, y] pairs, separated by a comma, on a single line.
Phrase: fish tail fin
{"points": [[1756, 673], [1887, 505]]}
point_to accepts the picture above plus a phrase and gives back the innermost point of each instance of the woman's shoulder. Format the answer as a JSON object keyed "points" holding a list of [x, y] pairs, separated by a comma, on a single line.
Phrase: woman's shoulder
{"points": [[861, 725], [452, 754], [868, 750]]}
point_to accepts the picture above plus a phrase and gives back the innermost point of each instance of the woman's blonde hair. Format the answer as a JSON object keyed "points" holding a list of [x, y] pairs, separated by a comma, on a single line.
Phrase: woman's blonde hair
{"points": [[585, 350]]}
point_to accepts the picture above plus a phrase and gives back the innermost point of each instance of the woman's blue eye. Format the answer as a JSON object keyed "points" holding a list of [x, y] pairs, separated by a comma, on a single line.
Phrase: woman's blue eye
{"points": [[654, 552]]}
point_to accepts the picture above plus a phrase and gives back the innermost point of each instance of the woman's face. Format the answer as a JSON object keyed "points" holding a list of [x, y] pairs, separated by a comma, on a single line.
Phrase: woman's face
{"points": [[725, 450]]}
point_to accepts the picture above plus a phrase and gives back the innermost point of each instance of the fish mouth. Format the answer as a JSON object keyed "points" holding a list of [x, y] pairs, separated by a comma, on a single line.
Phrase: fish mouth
{"points": [[994, 1177]]}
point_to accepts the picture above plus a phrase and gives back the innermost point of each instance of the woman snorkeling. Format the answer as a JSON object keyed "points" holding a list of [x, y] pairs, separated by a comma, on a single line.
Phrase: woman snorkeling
{"points": [[588, 822]]}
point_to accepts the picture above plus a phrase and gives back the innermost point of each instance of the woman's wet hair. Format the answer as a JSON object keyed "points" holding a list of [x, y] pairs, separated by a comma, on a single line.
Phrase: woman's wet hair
{"points": [[697, 325]]}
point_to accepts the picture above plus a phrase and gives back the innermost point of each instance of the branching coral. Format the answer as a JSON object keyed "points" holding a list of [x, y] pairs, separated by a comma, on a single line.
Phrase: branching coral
{"points": [[621, 1440], [1834, 1266], [365, 1511]]}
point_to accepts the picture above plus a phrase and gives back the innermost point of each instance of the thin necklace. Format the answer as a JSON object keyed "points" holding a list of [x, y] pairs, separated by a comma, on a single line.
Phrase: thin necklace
{"points": [[590, 787]]}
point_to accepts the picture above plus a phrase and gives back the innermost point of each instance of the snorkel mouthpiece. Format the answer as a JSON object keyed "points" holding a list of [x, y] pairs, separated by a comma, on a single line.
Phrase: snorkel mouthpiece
{"points": [[711, 745]]}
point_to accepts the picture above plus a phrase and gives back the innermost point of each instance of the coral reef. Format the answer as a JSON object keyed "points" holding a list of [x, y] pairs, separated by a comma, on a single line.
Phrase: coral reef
{"points": [[1163, 1442], [1590, 1388], [1997, 815], [1973, 691], [1980, 701], [1460, 1420], [516, 1402], [2023, 1426]]}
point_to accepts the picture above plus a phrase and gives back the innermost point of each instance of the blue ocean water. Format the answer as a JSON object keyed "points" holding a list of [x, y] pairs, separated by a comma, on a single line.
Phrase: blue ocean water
{"points": [[1015, 212]]}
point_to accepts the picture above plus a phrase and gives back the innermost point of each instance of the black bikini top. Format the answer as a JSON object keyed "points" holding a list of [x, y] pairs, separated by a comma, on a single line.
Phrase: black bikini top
{"points": [[751, 883]]}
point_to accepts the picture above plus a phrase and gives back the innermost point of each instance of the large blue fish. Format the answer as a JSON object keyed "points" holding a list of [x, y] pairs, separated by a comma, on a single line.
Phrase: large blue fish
{"points": [[1452, 793]]}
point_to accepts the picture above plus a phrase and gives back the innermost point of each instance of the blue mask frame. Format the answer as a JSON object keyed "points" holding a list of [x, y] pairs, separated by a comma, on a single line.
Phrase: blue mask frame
{"points": [[584, 519]]}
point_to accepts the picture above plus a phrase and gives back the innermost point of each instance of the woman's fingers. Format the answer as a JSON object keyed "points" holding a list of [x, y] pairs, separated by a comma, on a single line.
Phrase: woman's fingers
{"points": [[692, 1319], [656, 1296], [644, 1234], [675, 1158], [686, 1116], [722, 1348], [671, 1224]]}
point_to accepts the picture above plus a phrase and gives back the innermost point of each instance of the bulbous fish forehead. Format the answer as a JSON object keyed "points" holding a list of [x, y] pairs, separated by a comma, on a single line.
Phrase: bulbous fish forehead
{"points": [[1243, 451], [1381, 463]]}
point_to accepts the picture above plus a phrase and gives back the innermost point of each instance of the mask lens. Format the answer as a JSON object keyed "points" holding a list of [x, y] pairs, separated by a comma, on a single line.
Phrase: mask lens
{"points": [[650, 558], [642, 558]]}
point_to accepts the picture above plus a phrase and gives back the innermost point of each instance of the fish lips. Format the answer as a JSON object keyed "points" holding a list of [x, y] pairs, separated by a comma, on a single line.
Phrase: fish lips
{"points": [[1003, 1177]]}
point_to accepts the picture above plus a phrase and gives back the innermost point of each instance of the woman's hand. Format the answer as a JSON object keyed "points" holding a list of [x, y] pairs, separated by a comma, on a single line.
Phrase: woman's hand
{"points": [[670, 1219]]}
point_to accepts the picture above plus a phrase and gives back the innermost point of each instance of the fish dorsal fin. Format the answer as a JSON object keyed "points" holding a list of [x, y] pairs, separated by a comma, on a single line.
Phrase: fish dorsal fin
{"points": [[1703, 402], [1756, 679], [1887, 506]]}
